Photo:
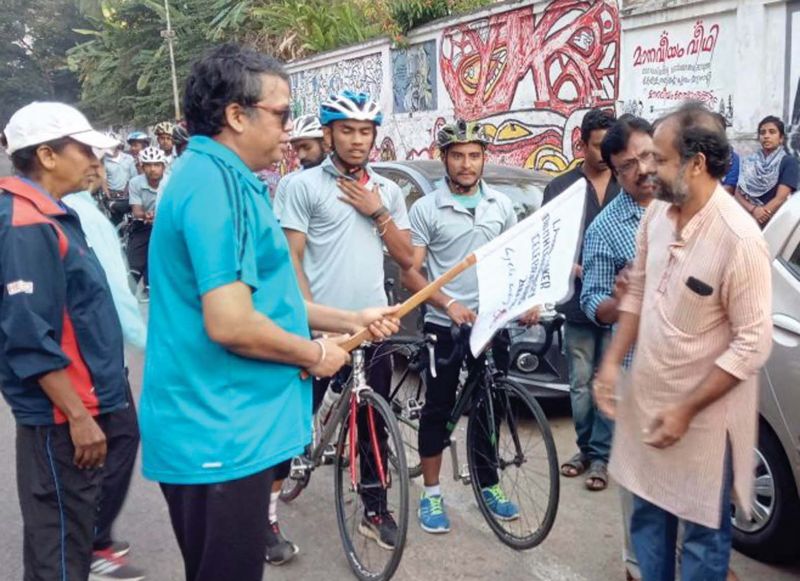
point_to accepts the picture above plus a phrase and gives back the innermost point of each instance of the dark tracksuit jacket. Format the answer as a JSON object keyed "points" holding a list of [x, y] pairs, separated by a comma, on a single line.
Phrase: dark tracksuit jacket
{"points": [[56, 309]]}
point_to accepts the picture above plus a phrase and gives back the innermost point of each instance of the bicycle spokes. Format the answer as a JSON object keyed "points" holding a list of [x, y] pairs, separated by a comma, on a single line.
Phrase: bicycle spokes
{"points": [[367, 497], [513, 465]]}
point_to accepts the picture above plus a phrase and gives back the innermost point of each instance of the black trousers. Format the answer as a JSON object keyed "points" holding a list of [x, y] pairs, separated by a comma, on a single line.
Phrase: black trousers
{"points": [[122, 434], [138, 245], [379, 378], [60, 503], [440, 398], [221, 528]]}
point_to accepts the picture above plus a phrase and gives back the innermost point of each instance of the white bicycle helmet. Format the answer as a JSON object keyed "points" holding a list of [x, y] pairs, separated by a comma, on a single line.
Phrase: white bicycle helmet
{"points": [[350, 105], [306, 127], [152, 155]]}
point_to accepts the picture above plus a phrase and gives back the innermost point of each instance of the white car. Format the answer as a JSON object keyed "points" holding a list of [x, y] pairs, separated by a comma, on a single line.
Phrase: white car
{"points": [[771, 534]]}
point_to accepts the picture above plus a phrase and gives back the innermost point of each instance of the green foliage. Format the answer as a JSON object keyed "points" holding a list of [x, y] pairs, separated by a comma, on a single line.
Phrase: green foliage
{"points": [[110, 53], [410, 14], [36, 35]]}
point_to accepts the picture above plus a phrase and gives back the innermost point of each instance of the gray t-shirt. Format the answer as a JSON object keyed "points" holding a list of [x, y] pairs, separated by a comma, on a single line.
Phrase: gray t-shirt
{"points": [[280, 193], [450, 232], [119, 171], [343, 259], [140, 193]]}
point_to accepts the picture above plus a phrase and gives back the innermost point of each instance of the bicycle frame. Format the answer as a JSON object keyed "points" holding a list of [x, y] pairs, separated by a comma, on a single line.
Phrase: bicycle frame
{"points": [[348, 403]]}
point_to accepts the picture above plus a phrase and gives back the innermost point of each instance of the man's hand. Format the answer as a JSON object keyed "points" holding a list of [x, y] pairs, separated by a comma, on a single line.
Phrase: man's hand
{"points": [[461, 314], [621, 282], [604, 388], [380, 320], [149, 217], [531, 318], [668, 426], [577, 271], [367, 202], [89, 442], [335, 357]]}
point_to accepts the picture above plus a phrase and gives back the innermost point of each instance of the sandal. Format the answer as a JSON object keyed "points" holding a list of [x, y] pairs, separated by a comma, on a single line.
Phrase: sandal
{"points": [[597, 477], [575, 466]]}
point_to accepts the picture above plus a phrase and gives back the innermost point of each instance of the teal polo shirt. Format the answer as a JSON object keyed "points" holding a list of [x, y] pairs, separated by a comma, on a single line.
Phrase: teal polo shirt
{"points": [[208, 415]]}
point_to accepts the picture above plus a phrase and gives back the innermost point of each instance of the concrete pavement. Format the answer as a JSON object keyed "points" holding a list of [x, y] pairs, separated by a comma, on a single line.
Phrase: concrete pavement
{"points": [[584, 544]]}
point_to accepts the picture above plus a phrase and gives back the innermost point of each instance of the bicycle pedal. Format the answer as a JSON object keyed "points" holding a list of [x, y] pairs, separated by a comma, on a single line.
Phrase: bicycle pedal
{"points": [[299, 468], [413, 409], [329, 454]]}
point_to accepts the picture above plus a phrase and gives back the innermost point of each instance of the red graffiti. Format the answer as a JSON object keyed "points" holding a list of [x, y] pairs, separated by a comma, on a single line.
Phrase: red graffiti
{"points": [[571, 52]]}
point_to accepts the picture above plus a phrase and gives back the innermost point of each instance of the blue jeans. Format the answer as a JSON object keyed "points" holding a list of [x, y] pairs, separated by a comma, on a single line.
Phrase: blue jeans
{"points": [[706, 552], [585, 344]]}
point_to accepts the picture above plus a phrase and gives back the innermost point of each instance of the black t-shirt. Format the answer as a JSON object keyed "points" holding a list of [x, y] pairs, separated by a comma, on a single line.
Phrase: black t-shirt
{"points": [[572, 308]]}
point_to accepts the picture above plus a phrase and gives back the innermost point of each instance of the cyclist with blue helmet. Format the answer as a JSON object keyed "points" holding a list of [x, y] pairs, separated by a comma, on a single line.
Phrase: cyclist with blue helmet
{"points": [[137, 141], [337, 218]]}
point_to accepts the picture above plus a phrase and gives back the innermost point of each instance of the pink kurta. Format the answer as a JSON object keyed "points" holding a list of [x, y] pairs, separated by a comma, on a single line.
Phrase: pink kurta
{"points": [[682, 336]]}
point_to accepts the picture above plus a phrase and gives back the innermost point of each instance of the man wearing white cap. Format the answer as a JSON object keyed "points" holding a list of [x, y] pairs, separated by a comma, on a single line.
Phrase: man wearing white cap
{"points": [[61, 365]]}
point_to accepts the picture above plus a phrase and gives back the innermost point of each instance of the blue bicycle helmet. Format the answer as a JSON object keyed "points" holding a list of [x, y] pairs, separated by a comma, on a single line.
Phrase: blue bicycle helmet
{"points": [[350, 105], [138, 136]]}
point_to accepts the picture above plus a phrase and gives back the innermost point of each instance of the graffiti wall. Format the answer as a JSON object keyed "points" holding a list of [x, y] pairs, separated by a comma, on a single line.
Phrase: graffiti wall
{"points": [[414, 78], [665, 65], [313, 85], [529, 73]]}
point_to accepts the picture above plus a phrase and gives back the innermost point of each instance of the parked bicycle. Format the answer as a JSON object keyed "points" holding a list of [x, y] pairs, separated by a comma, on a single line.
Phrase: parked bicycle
{"points": [[500, 411], [336, 442]]}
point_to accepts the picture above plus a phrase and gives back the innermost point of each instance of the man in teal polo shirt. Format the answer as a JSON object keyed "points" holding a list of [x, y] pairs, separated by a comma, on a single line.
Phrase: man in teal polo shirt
{"points": [[223, 400]]}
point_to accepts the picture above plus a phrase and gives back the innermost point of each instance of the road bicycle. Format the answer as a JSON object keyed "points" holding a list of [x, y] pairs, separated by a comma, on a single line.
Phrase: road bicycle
{"points": [[507, 432], [374, 466]]}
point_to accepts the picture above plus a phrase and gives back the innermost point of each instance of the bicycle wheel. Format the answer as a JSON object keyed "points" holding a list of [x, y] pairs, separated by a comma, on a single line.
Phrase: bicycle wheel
{"points": [[509, 443], [359, 486], [407, 405]]}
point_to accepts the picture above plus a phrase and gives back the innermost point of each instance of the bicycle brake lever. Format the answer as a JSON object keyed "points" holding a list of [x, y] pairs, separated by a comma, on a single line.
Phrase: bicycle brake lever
{"points": [[431, 354]]}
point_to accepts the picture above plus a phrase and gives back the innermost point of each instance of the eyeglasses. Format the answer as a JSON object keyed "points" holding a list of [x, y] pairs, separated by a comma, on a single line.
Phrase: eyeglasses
{"points": [[629, 165], [285, 114]]}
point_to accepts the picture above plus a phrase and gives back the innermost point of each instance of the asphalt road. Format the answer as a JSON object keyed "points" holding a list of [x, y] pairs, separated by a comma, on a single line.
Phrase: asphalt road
{"points": [[584, 544]]}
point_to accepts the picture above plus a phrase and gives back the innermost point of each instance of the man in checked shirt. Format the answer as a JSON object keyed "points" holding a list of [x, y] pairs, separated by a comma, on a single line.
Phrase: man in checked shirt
{"points": [[698, 309], [610, 245]]}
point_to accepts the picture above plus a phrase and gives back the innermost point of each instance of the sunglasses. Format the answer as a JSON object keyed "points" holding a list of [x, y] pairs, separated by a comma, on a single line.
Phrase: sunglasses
{"points": [[285, 114]]}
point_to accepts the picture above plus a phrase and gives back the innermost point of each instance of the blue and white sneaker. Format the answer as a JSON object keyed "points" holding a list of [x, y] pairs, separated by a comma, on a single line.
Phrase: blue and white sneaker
{"points": [[432, 517], [499, 505]]}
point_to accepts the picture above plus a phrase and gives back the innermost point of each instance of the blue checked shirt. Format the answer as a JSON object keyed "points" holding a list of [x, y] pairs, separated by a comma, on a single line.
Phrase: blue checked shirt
{"points": [[609, 244]]}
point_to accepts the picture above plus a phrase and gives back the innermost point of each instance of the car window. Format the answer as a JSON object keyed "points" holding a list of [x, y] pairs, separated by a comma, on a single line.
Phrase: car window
{"points": [[527, 197], [411, 190]]}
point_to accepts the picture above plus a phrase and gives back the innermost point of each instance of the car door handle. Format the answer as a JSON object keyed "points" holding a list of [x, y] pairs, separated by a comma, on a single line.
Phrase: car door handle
{"points": [[786, 323]]}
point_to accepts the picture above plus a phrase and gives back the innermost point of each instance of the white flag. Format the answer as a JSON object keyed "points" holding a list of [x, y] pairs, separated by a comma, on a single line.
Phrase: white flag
{"points": [[531, 264]]}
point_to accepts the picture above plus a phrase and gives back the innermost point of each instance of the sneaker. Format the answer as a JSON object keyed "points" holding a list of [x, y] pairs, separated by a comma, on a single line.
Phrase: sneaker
{"points": [[381, 528], [499, 505], [107, 567], [431, 514], [279, 549]]}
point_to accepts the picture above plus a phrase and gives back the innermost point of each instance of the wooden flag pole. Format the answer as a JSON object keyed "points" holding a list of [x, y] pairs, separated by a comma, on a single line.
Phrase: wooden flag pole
{"points": [[416, 300]]}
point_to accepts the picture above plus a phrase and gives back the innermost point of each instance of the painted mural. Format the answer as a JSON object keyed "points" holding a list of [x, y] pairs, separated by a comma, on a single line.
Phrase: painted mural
{"points": [[414, 78], [530, 74], [687, 60], [311, 86]]}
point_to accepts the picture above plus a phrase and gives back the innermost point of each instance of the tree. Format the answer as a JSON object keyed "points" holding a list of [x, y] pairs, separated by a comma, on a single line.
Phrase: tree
{"points": [[36, 37]]}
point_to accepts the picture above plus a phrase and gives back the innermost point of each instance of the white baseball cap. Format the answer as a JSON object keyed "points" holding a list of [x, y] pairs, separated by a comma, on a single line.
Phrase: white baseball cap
{"points": [[41, 122]]}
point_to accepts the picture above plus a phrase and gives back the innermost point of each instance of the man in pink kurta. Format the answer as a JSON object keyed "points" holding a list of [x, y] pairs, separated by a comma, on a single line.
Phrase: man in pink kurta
{"points": [[698, 309]]}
